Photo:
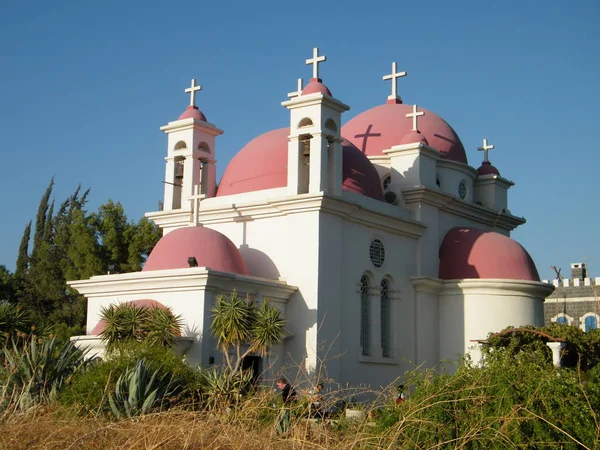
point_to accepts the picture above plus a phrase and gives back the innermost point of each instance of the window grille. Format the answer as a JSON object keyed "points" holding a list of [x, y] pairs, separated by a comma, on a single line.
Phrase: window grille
{"points": [[377, 253], [385, 319], [590, 323], [387, 181], [365, 328]]}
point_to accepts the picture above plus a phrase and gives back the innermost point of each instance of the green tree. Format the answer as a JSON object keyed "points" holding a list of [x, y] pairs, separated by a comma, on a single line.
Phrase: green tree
{"points": [[7, 286], [23, 256], [239, 324], [40, 220]]}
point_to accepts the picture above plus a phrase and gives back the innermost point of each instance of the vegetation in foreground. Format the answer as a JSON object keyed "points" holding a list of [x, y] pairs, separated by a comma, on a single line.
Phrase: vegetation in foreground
{"points": [[145, 396]]}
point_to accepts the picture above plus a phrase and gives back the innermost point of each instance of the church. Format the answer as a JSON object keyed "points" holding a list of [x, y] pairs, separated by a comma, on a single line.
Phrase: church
{"points": [[379, 243]]}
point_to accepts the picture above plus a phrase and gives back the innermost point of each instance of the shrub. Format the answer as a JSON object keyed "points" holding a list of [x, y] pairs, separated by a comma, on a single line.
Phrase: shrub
{"points": [[89, 391]]}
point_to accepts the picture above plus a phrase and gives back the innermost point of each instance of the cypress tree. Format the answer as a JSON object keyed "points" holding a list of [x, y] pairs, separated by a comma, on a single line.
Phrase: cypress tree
{"points": [[40, 221], [23, 256]]}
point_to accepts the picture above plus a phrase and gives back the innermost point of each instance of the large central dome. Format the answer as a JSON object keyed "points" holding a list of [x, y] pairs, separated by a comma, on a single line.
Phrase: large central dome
{"points": [[384, 126], [262, 164]]}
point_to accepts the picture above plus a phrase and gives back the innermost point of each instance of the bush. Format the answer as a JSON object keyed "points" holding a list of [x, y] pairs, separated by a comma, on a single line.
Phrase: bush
{"points": [[512, 401], [89, 391]]}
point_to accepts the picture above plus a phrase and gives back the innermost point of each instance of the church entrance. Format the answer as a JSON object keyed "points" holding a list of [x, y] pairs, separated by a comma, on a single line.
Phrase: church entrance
{"points": [[253, 363]]}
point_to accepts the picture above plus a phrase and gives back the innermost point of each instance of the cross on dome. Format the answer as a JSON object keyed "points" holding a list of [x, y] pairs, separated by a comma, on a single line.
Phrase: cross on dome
{"points": [[315, 60], [414, 114], [196, 198], [192, 91], [298, 92], [394, 77], [485, 148]]}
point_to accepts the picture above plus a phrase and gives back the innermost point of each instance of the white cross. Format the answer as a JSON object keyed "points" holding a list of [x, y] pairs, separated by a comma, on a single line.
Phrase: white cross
{"points": [[298, 92], [196, 198], [414, 116], [485, 149], [315, 60], [394, 77], [192, 91]]}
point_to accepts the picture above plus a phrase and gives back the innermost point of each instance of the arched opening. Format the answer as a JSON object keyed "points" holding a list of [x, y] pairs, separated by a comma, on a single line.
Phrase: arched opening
{"points": [[180, 145], [365, 316], [306, 122], [331, 125], [203, 146], [178, 181], [386, 317], [589, 322]]}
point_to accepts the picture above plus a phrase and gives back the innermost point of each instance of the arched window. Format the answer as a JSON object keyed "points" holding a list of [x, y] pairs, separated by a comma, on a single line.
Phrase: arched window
{"points": [[385, 318], [562, 320], [591, 323], [180, 145], [306, 122], [365, 328], [330, 123]]}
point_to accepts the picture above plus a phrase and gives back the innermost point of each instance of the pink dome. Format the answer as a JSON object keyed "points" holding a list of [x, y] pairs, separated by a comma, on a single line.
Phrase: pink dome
{"points": [[316, 86], [414, 137], [475, 253], [210, 248], [486, 168], [262, 164], [386, 126], [192, 112], [101, 325]]}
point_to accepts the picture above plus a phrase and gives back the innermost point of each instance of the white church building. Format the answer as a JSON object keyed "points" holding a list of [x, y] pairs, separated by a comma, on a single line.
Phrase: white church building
{"points": [[376, 239]]}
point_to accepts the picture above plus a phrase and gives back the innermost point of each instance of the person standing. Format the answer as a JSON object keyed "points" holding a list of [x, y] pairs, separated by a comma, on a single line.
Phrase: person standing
{"points": [[288, 396]]}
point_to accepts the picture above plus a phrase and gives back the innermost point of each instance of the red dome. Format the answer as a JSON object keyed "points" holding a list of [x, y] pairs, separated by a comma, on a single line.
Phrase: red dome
{"points": [[475, 253], [386, 126], [316, 86], [209, 247], [486, 168], [101, 325], [414, 137], [192, 112], [262, 164]]}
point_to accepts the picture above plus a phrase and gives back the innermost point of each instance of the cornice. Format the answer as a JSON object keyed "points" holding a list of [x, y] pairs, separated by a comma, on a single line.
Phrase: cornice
{"points": [[384, 220], [315, 99], [449, 203], [432, 285], [178, 280], [189, 123]]}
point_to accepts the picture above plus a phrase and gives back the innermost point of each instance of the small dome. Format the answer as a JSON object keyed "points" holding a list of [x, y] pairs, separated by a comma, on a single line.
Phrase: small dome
{"points": [[384, 126], [210, 248], [475, 253], [486, 168], [414, 137], [101, 325], [316, 86], [194, 113], [262, 164]]}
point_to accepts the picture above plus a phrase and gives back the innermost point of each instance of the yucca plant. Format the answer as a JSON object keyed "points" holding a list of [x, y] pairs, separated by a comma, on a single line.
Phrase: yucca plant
{"points": [[241, 325], [39, 369], [138, 390], [128, 322], [14, 321]]}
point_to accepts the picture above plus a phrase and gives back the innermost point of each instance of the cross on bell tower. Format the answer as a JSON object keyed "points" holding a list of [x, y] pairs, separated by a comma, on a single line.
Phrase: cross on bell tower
{"points": [[394, 98], [315, 60], [192, 91], [485, 148]]}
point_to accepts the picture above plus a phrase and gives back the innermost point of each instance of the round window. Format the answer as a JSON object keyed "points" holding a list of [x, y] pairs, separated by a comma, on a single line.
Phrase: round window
{"points": [[386, 182], [377, 253], [462, 189]]}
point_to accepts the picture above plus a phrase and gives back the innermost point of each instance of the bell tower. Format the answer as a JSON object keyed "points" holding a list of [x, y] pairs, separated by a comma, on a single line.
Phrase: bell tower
{"points": [[314, 147], [190, 162]]}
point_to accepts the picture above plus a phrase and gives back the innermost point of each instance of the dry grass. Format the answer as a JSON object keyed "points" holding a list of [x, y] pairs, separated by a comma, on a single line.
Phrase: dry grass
{"points": [[56, 429]]}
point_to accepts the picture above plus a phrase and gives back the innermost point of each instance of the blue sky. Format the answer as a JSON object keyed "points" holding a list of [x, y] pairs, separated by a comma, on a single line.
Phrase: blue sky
{"points": [[85, 86]]}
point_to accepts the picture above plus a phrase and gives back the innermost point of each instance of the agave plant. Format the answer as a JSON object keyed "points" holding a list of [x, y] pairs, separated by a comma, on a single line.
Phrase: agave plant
{"points": [[14, 321], [37, 370], [138, 390]]}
